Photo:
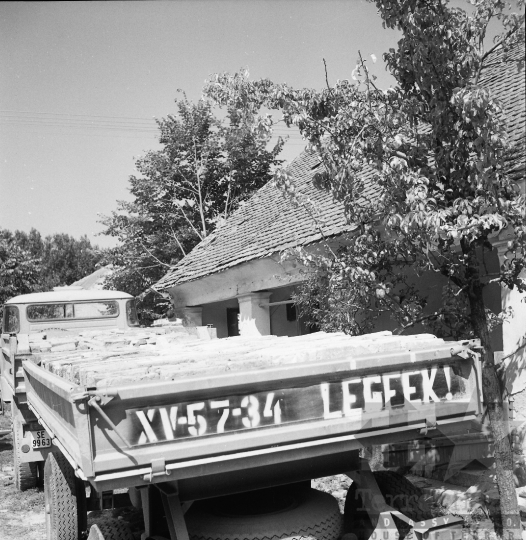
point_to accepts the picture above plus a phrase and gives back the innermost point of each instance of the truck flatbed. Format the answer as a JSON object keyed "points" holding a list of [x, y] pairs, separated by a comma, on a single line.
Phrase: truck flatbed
{"points": [[200, 408]]}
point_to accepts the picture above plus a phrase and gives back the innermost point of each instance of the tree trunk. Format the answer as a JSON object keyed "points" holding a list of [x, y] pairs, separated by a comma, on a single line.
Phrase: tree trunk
{"points": [[492, 394]]}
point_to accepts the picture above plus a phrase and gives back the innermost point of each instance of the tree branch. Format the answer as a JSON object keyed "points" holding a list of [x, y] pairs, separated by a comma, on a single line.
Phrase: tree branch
{"points": [[174, 236], [420, 319], [153, 256], [326, 76], [198, 176], [189, 222]]}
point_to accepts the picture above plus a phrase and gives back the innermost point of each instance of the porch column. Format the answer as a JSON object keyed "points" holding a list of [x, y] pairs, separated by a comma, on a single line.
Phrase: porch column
{"points": [[254, 314], [192, 316], [513, 333]]}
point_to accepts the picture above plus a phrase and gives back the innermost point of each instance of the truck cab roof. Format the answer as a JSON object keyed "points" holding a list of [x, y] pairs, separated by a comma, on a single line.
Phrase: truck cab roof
{"points": [[67, 295]]}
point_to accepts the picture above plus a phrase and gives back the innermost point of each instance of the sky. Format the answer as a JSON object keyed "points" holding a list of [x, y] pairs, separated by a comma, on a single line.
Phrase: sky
{"points": [[81, 84]]}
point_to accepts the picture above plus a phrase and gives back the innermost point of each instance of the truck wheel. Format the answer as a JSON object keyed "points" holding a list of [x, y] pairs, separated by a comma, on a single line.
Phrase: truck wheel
{"points": [[401, 494], [65, 500], [25, 473], [398, 492], [113, 529], [312, 515]]}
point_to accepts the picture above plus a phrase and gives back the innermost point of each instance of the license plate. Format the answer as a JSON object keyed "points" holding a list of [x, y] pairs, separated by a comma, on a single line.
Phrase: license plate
{"points": [[40, 439]]}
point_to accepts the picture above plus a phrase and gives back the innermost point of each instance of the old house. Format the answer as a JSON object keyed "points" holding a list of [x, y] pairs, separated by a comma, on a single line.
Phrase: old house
{"points": [[235, 279]]}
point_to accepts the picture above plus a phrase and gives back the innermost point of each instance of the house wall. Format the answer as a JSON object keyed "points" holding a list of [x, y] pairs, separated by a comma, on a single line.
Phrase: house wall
{"points": [[215, 314], [431, 284], [514, 338], [514, 330], [263, 274]]}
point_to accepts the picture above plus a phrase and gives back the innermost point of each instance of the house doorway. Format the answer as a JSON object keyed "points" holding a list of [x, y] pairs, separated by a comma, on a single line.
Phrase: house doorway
{"points": [[232, 321]]}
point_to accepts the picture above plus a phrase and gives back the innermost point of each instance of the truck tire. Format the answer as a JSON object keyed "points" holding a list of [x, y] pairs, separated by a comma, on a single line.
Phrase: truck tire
{"points": [[26, 474], [398, 492], [312, 515], [401, 494], [355, 517], [113, 529], [65, 500]]}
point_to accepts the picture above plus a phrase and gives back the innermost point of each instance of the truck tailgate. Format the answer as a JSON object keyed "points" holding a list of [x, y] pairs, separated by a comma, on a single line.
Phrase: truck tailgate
{"points": [[335, 397]]}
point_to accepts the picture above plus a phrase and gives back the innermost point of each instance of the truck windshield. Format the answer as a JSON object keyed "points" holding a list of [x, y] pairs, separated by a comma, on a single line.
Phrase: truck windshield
{"points": [[85, 310]]}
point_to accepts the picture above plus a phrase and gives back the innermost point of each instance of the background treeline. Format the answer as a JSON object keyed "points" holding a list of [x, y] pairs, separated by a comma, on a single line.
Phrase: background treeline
{"points": [[32, 263]]}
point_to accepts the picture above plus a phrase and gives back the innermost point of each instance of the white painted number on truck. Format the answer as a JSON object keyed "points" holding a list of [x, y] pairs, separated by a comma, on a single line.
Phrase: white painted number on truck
{"points": [[375, 392], [206, 417], [355, 398]]}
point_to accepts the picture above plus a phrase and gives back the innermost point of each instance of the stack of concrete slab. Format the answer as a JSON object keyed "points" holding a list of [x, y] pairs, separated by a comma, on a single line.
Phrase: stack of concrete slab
{"points": [[104, 359]]}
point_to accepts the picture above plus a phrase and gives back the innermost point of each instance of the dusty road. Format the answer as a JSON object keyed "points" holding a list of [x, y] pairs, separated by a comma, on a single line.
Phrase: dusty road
{"points": [[21, 514]]}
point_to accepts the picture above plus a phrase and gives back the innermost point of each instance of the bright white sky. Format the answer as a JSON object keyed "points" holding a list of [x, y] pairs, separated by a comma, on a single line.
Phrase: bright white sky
{"points": [[82, 81]]}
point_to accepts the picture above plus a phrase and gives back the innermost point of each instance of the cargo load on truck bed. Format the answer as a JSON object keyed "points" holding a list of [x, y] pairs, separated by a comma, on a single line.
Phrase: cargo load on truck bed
{"points": [[97, 359]]}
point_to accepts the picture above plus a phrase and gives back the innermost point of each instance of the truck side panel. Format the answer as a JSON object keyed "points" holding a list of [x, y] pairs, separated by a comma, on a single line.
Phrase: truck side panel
{"points": [[65, 420], [7, 367]]}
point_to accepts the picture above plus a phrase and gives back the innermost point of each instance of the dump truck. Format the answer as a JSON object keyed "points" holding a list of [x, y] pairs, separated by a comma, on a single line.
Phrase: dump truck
{"points": [[220, 438]]}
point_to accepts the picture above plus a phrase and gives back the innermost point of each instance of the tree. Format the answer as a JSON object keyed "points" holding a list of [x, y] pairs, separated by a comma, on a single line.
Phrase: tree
{"points": [[30, 263], [421, 171], [204, 170], [19, 269]]}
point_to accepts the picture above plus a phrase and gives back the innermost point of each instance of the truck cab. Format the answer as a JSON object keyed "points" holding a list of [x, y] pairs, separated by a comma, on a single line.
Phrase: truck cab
{"points": [[70, 309], [63, 312]]}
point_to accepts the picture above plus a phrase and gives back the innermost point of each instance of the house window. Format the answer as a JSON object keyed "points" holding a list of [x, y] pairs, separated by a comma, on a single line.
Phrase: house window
{"points": [[232, 321]]}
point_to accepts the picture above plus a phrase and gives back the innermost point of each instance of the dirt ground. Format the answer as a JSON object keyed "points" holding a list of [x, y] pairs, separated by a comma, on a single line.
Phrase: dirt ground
{"points": [[22, 514]]}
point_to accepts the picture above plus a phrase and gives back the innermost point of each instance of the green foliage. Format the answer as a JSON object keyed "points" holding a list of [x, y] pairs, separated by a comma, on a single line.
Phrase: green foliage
{"points": [[204, 170], [30, 263], [19, 269], [420, 168]]}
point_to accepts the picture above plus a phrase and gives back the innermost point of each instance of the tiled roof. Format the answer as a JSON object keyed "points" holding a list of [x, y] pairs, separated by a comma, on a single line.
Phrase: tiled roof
{"points": [[268, 223], [506, 82]]}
